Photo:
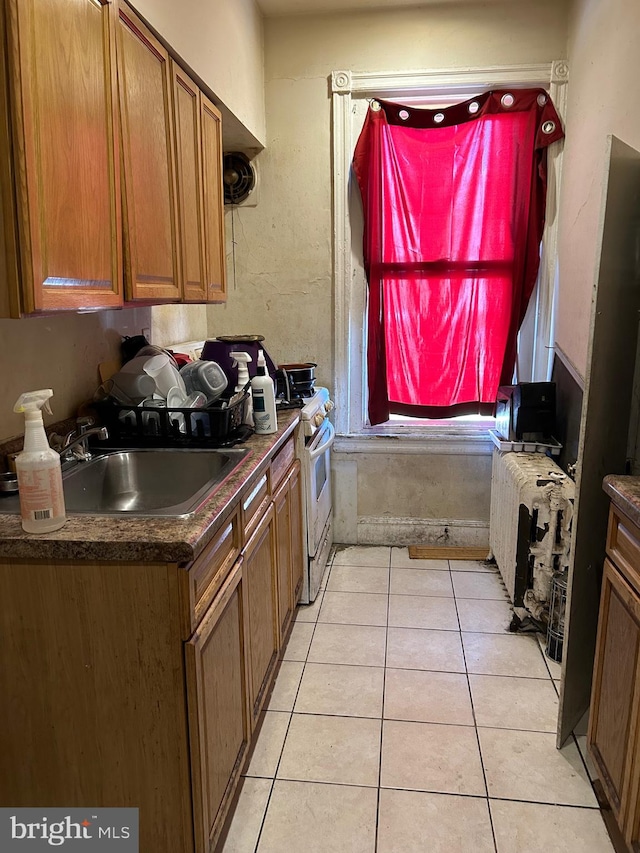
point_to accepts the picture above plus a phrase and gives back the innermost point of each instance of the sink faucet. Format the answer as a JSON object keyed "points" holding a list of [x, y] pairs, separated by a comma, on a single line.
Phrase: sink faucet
{"points": [[75, 442]]}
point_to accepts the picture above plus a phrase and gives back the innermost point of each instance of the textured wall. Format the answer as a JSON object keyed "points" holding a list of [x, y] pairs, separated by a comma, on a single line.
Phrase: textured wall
{"points": [[281, 263], [604, 88], [221, 40]]}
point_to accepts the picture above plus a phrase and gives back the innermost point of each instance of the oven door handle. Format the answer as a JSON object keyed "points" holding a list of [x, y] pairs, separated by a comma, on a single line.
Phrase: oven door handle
{"points": [[313, 454]]}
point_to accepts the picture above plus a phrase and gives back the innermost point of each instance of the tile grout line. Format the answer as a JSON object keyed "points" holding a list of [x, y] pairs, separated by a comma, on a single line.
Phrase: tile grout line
{"points": [[384, 685], [304, 666], [475, 724]]}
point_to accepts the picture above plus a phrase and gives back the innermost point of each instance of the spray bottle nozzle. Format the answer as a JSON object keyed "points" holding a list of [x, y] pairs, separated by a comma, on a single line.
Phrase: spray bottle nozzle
{"points": [[34, 401]]}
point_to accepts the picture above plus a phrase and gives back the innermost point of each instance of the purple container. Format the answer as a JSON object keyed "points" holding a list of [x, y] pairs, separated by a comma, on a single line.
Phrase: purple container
{"points": [[220, 351]]}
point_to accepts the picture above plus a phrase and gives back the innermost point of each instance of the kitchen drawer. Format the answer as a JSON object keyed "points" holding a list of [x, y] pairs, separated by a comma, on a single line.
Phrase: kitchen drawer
{"points": [[281, 462], [254, 503], [208, 572], [623, 546]]}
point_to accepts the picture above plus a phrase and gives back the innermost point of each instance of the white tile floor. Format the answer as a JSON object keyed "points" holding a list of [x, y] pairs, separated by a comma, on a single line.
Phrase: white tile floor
{"points": [[406, 718]]}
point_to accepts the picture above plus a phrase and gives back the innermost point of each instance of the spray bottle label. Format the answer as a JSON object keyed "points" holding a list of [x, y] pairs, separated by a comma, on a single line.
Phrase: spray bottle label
{"points": [[41, 494]]}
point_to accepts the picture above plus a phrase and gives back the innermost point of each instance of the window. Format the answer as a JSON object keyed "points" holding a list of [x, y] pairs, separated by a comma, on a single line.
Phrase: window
{"points": [[350, 94], [453, 204]]}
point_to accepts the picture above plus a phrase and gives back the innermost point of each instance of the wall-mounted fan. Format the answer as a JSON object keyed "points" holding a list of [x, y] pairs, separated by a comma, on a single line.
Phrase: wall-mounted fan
{"points": [[238, 176]]}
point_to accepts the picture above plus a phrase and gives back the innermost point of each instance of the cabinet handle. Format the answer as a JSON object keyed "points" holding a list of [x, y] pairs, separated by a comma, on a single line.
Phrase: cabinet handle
{"points": [[325, 444]]}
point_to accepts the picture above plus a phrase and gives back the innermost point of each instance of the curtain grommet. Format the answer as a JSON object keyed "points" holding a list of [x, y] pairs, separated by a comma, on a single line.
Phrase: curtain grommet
{"points": [[403, 114], [375, 106], [548, 127], [507, 100], [542, 100], [473, 107]]}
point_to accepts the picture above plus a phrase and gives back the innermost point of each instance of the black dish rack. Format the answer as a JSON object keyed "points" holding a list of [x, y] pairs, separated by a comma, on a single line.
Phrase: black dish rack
{"points": [[219, 425]]}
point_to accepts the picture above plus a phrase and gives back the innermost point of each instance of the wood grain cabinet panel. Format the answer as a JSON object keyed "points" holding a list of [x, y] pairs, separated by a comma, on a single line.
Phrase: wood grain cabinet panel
{"points": [[150, 209], [261, 582], [614, 718], [60, 171], [282, 509], [213, 201], [188, 139], [287, 506], [218, 707], [615, 684]]}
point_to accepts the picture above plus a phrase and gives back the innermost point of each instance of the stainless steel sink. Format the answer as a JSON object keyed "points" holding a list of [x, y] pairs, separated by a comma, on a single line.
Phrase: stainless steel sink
{"points": [[168, 482]]}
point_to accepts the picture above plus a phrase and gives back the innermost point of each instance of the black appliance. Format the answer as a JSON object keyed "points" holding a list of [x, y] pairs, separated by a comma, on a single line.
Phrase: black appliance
{"points": [[527, 411]]}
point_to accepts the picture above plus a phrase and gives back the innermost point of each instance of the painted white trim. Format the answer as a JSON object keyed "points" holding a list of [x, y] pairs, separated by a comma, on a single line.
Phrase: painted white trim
{"points": [[346, 86], [461, 533], [438, 443]]}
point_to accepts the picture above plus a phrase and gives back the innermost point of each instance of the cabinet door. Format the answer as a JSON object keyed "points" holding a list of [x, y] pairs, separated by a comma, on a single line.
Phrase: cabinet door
{"points": [[298, 551], [219, 727], [213, 201], [186, 113], [259, 573], [615, 696], [62, 76], [150, 215], [282, 509]]}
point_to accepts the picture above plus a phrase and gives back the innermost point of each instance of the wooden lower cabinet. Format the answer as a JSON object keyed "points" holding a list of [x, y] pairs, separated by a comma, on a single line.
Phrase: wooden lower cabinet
{"points": [[614, 719], [262, 608], [282, 509], [218, 705], [141, 684], [287, 505]]}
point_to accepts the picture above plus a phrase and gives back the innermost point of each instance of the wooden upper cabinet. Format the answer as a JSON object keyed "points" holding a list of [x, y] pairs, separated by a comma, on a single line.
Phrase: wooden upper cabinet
{"points": [[213, 201], [186, 112], [150, 209], [60, 168]]}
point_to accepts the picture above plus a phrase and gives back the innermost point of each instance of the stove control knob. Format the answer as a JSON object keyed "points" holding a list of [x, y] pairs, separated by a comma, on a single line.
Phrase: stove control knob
{"points": [[318, 418]]}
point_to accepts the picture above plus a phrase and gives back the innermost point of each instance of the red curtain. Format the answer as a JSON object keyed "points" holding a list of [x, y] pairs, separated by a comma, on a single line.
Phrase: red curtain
{"points": [[454, 204]]}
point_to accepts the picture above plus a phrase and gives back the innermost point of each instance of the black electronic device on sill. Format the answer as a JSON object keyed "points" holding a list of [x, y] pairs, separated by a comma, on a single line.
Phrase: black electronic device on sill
{"points": [[527, 411]]}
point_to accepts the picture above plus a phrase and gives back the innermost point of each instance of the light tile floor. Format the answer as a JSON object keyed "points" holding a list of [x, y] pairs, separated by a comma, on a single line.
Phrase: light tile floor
{"points": [[406, 718]]}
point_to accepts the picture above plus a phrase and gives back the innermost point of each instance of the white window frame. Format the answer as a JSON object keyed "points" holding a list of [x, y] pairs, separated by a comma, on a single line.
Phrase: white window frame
{"points": [[353, 433]]}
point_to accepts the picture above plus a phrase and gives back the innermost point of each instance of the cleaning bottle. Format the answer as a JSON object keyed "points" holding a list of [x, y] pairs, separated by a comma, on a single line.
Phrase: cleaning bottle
{"points": [[241, 360], [38, 468], [264, 399]]}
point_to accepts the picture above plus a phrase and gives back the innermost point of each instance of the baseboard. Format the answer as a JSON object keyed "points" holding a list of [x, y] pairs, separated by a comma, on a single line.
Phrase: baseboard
{"points": [[462, 533]]}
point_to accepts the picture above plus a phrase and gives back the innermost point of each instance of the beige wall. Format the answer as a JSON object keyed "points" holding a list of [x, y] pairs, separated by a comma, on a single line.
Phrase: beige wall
{"points": [[63, 353], [604, 90], [221, 40], [282, 259]]}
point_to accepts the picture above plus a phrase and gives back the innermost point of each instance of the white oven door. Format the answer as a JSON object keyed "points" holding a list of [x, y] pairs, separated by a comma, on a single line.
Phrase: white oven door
{"points": [[319, 492]]}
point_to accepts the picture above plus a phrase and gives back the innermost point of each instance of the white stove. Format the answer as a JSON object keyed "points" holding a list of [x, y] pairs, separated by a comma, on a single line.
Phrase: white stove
{"points": [[315, 439]]}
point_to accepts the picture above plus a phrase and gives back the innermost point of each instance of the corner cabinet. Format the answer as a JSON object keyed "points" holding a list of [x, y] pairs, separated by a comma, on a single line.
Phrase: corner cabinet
{"points": [[110, 174], [614, 719], [198, 139], [155, 673], [59, 157]]}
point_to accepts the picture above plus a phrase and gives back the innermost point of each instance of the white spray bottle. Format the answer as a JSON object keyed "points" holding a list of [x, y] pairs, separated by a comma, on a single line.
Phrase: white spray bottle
{"points": [[241, 360], [264, 399], [38, 468]]}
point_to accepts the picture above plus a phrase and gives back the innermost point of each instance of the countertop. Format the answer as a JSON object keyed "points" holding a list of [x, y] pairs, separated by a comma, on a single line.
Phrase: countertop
{"points": [[624, 491], [90, 537]]}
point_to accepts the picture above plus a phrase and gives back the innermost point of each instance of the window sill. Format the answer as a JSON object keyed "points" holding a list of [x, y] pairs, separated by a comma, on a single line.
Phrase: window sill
{"points": [[437, 441]]}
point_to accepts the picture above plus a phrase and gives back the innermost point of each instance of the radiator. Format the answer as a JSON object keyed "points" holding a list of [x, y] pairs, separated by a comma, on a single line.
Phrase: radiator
{"points": [[530, 526]]}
